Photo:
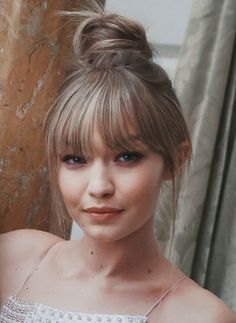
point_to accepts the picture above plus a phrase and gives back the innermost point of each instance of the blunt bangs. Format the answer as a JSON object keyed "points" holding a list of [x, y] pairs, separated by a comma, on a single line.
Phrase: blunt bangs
{"points": [[111, 105]]}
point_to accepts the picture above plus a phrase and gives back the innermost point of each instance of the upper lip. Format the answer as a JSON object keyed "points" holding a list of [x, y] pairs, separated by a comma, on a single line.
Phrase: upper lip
{"points": [[102, 210]]}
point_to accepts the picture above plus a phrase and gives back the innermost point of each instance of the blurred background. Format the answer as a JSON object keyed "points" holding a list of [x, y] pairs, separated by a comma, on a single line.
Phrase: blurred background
{"points": [[195, 43]]}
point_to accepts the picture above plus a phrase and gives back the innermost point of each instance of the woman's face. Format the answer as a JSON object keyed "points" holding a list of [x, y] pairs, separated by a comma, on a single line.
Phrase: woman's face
{"points": [[111, 195]]}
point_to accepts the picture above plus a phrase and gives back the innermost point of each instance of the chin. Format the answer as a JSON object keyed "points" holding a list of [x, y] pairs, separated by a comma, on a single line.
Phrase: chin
{"points": [[103, 234]]}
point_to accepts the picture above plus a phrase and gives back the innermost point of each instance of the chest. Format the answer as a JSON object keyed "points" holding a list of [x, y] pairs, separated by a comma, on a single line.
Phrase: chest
{"points": [[89, 296]]}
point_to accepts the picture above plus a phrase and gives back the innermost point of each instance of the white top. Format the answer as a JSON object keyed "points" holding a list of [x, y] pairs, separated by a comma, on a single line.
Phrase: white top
{"points": [[16, 310]]}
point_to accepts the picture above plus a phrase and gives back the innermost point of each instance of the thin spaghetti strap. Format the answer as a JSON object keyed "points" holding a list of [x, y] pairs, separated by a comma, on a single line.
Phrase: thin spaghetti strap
{"points": [[39, 260], [164, 295]]}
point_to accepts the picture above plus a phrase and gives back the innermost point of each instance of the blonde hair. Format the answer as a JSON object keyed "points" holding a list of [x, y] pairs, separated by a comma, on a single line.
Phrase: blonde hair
{"points": [[113, 85]]}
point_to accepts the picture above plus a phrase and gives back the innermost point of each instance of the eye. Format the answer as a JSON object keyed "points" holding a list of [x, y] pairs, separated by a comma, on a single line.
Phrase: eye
{"points": [[74, 160], [130, 157]]}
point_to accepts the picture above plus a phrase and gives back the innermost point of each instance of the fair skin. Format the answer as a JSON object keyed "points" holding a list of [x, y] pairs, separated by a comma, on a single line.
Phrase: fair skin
{"points": [[117, 267]]}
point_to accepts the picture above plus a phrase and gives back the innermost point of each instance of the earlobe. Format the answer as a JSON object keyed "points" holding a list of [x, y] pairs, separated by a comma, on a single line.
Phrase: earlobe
{"points": [[167, 175], [181, 156], [185, 151]]}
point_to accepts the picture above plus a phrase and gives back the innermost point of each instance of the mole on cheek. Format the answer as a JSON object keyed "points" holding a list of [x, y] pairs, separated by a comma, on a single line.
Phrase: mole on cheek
{"points": [[91, 252]]}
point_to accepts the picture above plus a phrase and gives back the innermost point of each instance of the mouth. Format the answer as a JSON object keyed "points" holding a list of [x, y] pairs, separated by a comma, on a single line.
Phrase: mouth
{"points": [[103, 213]]}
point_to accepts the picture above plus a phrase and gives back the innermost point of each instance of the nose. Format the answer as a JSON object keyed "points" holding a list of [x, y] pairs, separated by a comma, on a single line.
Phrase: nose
{"points": [[101, 184]]}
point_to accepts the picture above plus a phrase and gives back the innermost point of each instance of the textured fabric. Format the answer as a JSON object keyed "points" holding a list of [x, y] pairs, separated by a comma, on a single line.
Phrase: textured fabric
{"points": [[16, 310], [201, 83], [215, 259]]}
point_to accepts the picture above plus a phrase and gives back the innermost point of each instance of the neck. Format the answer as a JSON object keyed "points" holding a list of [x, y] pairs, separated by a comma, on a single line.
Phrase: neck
{"points": [[123, 257]]}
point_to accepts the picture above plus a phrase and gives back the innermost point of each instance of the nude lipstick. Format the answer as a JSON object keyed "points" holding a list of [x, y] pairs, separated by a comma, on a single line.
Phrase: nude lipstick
{"points": [[102, 213]]}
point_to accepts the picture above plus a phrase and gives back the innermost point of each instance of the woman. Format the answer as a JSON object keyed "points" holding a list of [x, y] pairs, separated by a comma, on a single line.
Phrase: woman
{"points": [[114, 135]]}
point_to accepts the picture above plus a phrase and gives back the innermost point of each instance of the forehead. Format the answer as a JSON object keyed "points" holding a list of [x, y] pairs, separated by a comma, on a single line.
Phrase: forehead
{"points": [[85, 122], [98, 144], [129, 142]]}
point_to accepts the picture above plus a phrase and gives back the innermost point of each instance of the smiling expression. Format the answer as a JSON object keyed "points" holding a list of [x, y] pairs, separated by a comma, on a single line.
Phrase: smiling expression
{"points": [[111, 195]]}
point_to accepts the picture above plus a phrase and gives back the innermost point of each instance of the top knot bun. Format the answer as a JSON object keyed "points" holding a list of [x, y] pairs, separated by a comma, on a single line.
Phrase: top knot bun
{"points": [[108, 40]]}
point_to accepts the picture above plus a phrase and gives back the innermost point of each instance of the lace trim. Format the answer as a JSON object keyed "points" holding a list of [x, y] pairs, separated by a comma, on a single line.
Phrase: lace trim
{"points": [[16, 310]]}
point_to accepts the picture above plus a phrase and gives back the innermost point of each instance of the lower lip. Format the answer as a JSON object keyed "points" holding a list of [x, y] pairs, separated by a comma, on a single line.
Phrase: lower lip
{"points": [[103, 216]]}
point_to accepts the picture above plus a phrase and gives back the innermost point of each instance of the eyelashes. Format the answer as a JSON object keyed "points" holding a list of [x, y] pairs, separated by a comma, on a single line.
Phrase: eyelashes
{"points": [[122, 158], [130, 156], [73, 159]]}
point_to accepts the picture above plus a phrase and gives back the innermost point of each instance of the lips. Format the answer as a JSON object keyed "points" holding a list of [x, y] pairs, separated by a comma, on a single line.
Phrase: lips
{"points": [[102, 213], [102, 210]]}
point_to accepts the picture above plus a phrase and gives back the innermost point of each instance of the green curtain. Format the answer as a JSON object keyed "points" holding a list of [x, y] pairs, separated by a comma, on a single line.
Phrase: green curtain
{"points": [[204, 244], [214, 264]]}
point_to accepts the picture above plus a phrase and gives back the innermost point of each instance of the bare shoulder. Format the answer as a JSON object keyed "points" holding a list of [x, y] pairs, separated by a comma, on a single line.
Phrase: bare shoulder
{"points": [[205, 305], [19, 251], [19, 244], [192, 303]]}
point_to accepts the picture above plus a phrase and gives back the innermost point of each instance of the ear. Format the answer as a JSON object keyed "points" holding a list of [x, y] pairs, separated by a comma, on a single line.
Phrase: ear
{"points": [[181, 155]]}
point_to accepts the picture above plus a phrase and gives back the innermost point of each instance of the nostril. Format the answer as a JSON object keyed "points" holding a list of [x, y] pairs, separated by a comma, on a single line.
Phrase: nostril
{"points": [[101, 188], [99, 192]]}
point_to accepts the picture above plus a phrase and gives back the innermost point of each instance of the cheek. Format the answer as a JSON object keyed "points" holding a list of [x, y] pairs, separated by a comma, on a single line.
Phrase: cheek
{"points": [[142, 188], [68, 185]]}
